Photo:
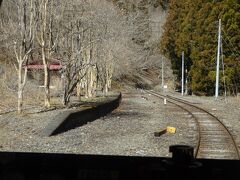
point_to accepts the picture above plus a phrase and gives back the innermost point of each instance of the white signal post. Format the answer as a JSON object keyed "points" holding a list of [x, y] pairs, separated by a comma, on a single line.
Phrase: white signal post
{"points": [[218, 59], [182, 73], [186, 83], [165, 91]]}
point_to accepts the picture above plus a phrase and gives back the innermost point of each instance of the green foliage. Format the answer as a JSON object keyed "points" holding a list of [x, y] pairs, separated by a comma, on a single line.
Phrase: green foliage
{"points": [[192, 27], [129, 5]]}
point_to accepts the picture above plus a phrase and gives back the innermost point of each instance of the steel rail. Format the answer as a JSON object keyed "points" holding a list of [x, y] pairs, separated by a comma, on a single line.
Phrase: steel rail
{"points": [[197, 119]]}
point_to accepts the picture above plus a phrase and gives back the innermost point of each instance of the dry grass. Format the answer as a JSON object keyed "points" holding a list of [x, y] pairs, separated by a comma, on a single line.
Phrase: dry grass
{"points": [[33, 93]]}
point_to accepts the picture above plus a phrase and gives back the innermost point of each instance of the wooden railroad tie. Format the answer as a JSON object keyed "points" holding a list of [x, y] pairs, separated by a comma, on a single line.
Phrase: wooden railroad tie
{"points": [[159, 133], [170, 130]]}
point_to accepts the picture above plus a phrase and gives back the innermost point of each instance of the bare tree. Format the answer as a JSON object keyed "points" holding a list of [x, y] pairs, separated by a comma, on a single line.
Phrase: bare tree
{"points": [[104, 31], [96, 42], [25, 26], [70, 51], [50, 16], [91, 44], [71, 47], [42, 39]]}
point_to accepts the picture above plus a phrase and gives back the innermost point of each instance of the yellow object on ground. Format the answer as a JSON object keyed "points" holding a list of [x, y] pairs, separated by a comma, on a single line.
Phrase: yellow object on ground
{"points": [[160, 132], [171, 130]]}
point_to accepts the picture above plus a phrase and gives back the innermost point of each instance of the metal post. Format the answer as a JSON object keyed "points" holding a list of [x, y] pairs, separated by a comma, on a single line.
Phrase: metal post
{"points": [[162, 74], [186, 83], [218, 59], [182, 73]]}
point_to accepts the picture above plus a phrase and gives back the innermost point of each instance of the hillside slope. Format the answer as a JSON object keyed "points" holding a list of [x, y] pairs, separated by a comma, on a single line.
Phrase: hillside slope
{"points": [[148, 20], [192, 27]]}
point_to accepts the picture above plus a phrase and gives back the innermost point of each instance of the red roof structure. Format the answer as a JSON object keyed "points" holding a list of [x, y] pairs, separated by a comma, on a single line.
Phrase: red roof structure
{"points": [[54, 65]]}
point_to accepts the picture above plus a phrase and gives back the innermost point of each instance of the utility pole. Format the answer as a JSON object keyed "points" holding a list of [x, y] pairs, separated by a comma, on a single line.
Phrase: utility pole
{"points": [[218, 59], [163, 87], [162, 74], [182, 73]]}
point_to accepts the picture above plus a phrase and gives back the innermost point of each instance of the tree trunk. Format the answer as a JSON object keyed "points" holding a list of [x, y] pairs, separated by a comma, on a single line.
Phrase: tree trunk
{"points": [[106, 88], [45, 61], [106, 81], [46, 87], [90, 83], [66, 98], [20, 101], [46, 79], [79, 91], [109, 83], [20, 89], [21, 85]]}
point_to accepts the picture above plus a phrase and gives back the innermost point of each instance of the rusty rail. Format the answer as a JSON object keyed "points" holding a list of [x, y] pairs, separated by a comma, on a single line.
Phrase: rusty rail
{"points": [[214, 138]]}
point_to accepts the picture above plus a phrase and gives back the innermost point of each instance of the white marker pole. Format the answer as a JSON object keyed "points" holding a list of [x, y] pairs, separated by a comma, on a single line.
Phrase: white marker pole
{"points": [[186, 83], [164, 91], [182, 73]]}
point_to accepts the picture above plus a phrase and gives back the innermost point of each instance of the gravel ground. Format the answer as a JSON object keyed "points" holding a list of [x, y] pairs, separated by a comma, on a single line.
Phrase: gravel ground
{"points": [[129, 130]]}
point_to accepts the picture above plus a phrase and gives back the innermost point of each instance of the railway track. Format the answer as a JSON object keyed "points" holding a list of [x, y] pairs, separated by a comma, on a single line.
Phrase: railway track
{"points": [[214, 140]]}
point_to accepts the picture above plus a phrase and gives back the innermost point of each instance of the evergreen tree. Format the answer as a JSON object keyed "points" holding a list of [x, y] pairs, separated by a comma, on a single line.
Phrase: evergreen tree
{"points": [[192, 27]]}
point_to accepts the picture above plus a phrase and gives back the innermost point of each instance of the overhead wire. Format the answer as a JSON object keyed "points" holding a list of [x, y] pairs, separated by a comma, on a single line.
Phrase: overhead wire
{"points": [[230, 51], [224, 77], [231, 42], [233, 53]]}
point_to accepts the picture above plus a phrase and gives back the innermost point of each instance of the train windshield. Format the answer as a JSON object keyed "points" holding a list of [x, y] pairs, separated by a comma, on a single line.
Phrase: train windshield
{"points": [[119, 77]]}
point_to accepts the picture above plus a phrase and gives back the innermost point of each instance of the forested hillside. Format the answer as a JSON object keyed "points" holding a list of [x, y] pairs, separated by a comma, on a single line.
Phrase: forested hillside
{"points": [[192, 27], [96, 43], [147, 18]]}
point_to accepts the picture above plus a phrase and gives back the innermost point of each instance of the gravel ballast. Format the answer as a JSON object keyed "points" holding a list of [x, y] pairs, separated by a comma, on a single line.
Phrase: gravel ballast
{"points": [[129, 130]]}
